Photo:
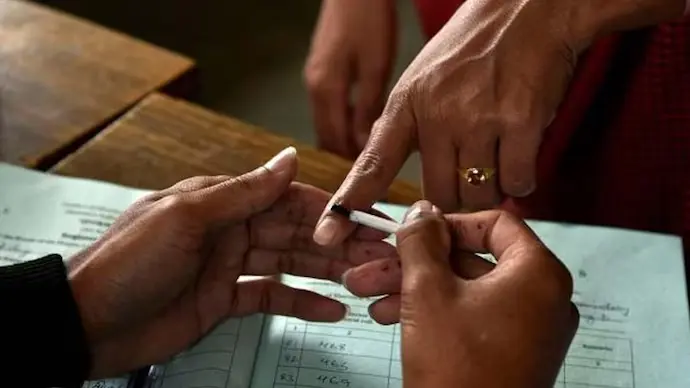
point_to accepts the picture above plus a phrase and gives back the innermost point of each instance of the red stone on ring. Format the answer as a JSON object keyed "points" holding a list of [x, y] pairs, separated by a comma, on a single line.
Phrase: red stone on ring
{"points": [[475, 176]]}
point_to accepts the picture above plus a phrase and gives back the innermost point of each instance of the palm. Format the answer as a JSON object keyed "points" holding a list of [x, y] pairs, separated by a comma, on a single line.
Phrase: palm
{"points": [[195, 298]]}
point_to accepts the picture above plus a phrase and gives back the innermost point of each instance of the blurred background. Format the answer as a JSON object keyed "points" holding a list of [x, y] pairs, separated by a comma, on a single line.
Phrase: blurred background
{"points": [[249, 53]]}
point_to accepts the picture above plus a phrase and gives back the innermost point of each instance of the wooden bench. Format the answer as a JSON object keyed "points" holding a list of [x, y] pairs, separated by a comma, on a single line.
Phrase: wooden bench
{"points": [[62, 79], [164, 140]]}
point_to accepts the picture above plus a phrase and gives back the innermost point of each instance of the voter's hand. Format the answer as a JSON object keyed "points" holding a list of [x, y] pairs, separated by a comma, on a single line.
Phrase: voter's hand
{"points": [[167, 271], [465, 321], [348, 70]]}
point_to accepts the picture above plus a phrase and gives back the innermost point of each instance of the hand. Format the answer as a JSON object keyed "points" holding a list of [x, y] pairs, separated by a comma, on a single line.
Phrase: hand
{"points": [[167, 271], [465, 321], [352, 51], [478, 95]]}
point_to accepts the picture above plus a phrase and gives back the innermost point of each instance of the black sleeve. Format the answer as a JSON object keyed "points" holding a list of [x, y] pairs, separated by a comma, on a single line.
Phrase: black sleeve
{"points": [[41, 333]]}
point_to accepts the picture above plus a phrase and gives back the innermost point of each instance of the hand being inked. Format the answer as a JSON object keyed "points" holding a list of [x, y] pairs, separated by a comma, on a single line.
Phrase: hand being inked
{"points": [[166, 272]]}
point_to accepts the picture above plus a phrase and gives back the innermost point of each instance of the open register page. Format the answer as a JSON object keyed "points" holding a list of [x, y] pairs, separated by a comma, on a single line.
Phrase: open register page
{"points": [[629, 287]]}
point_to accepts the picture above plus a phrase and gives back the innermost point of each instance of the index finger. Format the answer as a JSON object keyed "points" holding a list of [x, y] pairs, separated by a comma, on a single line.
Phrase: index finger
{"points": [[303, 204], [387, 149]]}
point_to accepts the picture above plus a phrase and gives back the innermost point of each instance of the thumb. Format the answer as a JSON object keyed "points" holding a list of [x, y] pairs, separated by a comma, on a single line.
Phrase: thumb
{"points": [[387, 149], [241, 197], [423, 245]]}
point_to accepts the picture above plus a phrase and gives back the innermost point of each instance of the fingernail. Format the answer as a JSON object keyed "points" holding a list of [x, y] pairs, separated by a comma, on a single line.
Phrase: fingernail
{"points": [[325, 231], [528, 190], [418, 210], [343, 278], [282, 160], [347, 311]]}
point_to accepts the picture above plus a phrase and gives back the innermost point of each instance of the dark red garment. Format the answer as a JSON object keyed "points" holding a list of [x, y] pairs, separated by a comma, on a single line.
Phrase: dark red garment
{"points": [[618, 153]]}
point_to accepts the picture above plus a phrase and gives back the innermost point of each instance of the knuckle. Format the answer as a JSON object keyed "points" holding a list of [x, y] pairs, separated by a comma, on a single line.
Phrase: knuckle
{"points": [[246, 186], [243, 183], [421, 281], [400, 96], [286, 262], [502, 215], [483, 122], [496, 217], [428, 82], [555, 282], [409, 309], [423, 287], [185, 183], [265, 299], [149, 199], [568, 56], [320, 80], [195, 183], [369, 164], [176, 207], [516, 119], [433, 226]]}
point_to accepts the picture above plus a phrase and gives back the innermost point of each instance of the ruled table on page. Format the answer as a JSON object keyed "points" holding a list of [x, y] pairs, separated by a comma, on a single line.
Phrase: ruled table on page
{"points": [[356, 352], [223, 358]]}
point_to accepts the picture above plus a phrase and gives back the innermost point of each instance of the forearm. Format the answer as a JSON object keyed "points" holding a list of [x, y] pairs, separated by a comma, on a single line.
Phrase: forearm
{"points": [[40, 330]]}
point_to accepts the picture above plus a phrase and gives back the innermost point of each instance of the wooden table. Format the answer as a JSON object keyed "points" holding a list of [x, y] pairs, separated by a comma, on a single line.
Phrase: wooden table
{"points": [[163, 140], [63, 78]]}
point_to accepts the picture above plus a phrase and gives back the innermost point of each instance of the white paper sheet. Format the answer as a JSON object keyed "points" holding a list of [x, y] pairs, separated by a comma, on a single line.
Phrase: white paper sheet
{"points": [[630, 288]]}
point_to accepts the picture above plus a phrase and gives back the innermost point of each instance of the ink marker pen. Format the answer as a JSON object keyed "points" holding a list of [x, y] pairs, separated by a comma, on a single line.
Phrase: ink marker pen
{"points": [[366, 219]]}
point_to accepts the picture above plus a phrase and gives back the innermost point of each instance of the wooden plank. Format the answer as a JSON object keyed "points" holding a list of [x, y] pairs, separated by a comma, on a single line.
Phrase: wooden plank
{"points": [[164, 140], [62, 78]]}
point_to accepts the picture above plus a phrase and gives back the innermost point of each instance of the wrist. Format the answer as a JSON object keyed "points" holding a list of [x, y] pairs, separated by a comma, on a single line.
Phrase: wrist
{"points": [[82, 289], [604, 17]]}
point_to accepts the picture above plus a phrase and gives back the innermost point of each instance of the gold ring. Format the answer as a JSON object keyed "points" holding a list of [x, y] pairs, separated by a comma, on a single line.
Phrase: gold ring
{"points": [[476, 176]]}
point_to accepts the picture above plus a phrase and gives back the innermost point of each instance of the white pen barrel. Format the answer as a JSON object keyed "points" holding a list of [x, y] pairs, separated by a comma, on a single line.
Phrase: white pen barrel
{"points": [[374, 222]]}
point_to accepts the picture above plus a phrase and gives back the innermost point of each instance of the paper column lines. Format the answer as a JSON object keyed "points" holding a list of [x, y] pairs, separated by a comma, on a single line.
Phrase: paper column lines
{"points": [[354, 336], [341, 371], [567, 362], [348, 327], [632, 363], [564, 370], [607, 331], [234, 351], [610, 358], [197, 370], [202, 353], [164, 374], [301, 350], [170, 375], [601, 333], [282, 348], [390, 364]]}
